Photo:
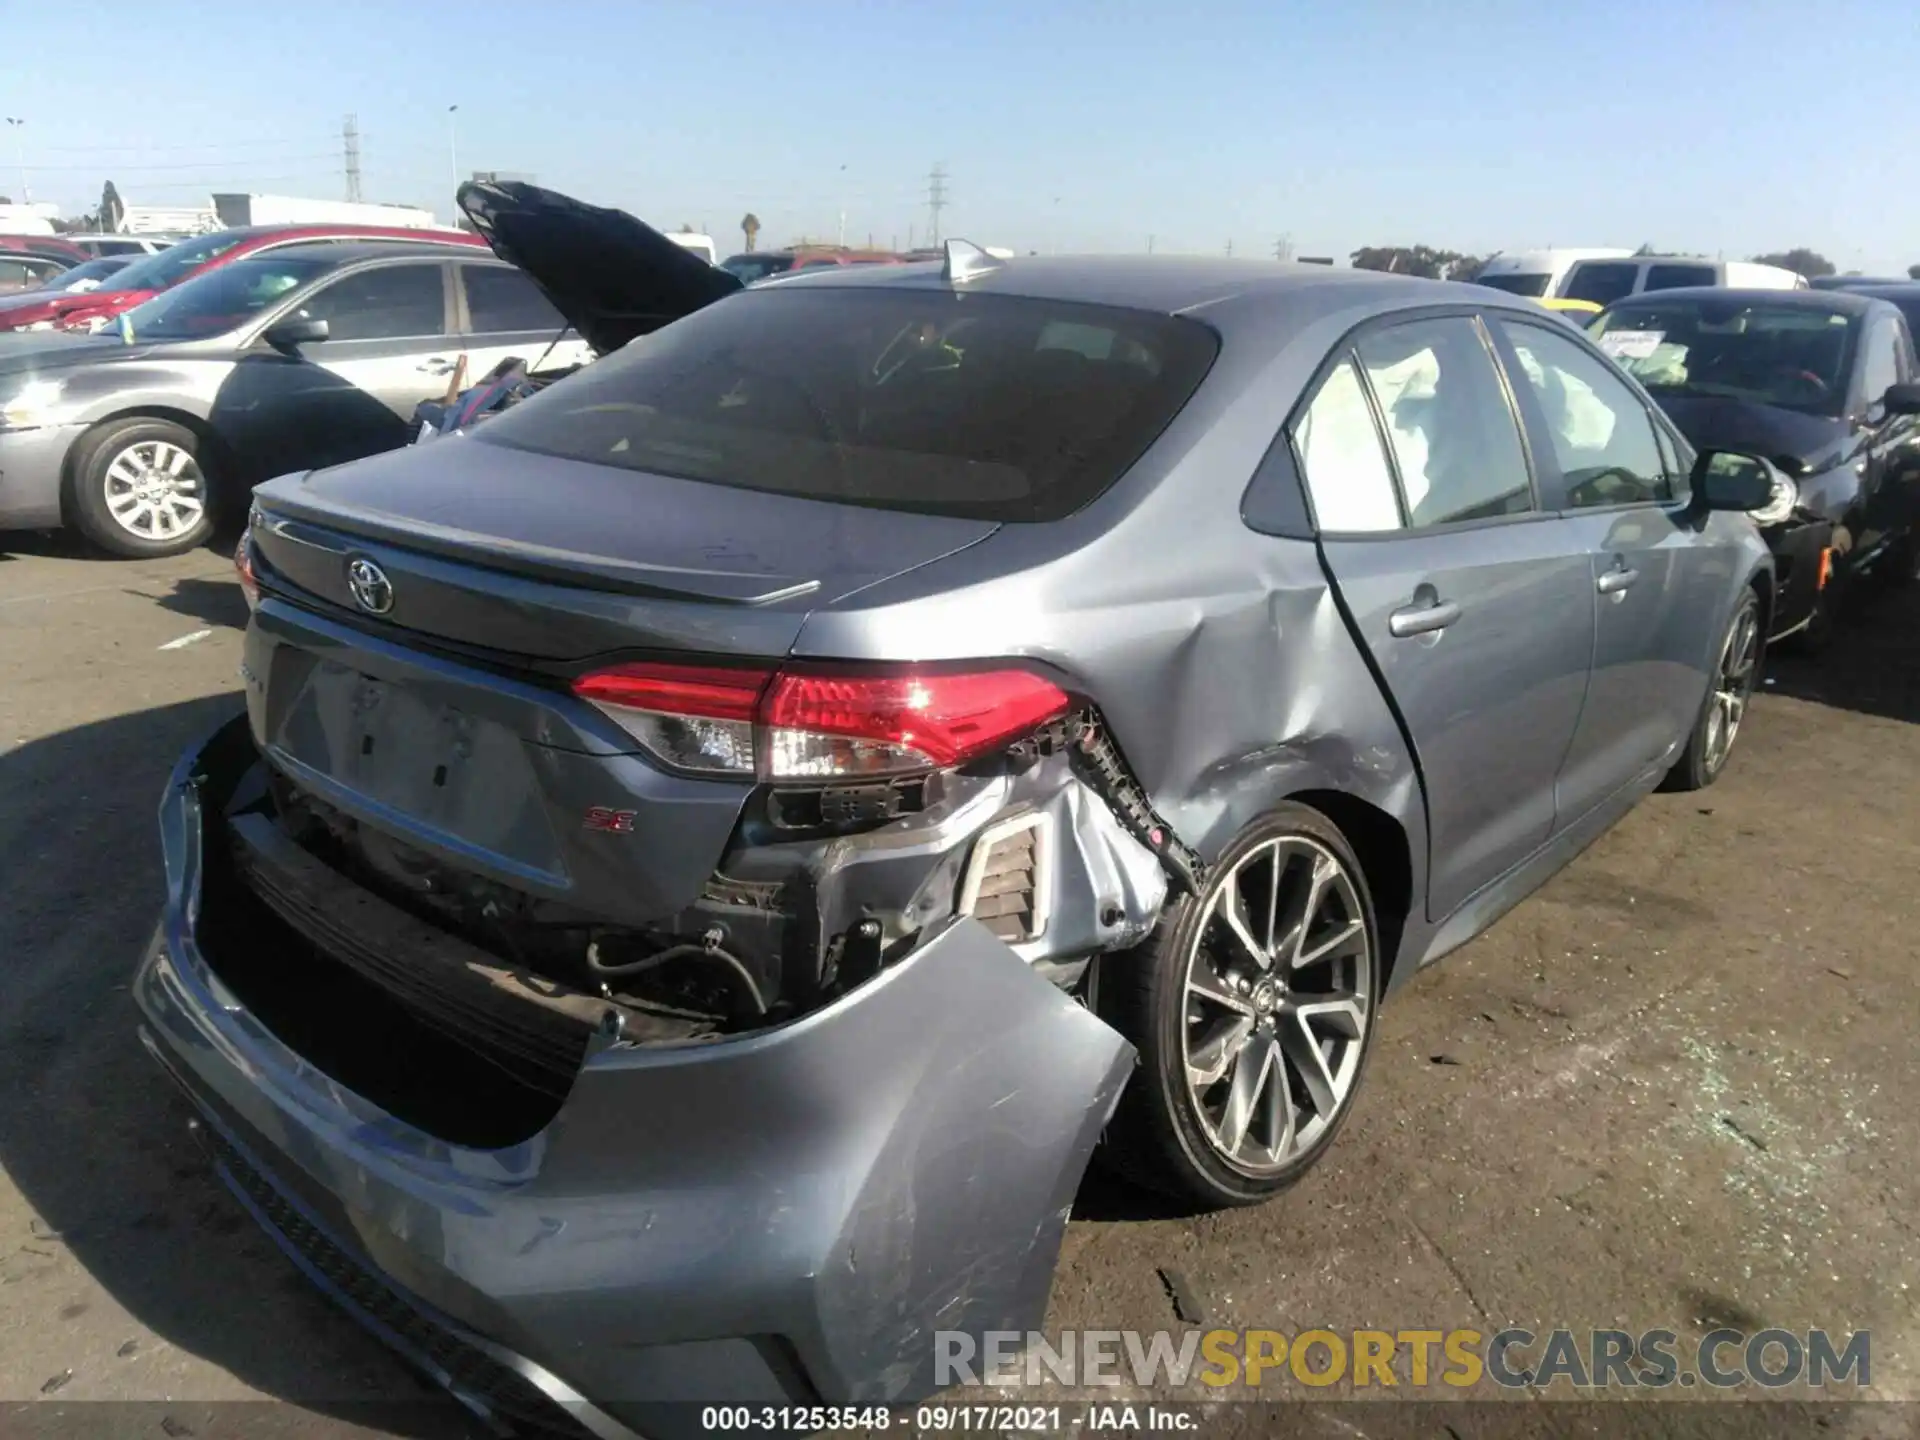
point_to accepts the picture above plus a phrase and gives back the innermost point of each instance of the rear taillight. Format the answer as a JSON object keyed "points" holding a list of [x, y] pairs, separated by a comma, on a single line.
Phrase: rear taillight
{"points": [[243, 567], [801, 723]]}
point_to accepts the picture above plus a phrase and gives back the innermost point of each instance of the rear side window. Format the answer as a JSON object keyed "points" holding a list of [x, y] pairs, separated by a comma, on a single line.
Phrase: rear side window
{"points": [[988, 406], [1455, 442], [1675, 277], [499, 299], [1600, 281], [1340, 456]]}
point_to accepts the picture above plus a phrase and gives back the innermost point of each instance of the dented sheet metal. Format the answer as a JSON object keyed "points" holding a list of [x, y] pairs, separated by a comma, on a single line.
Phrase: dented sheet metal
{"points": [[793, 1212]]}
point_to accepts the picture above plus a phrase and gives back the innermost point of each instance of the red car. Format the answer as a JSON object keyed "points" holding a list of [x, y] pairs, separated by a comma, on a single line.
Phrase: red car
{"points": [[148, 276], [50, 245]]}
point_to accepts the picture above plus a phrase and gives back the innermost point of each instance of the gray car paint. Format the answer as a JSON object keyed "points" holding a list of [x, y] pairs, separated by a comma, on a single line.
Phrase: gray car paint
{"points": [[266, 412], [621, 1247], [1236, 666]]}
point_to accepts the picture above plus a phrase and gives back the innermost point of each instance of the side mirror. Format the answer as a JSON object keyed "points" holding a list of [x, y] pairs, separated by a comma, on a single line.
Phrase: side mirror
{"points": [[1731, 480], [1902, 399], [290, 335]]}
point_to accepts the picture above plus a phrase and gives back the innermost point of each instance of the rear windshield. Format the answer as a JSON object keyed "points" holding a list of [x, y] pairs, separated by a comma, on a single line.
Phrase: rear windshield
{"points": [[983, 406], [1516, 283]]}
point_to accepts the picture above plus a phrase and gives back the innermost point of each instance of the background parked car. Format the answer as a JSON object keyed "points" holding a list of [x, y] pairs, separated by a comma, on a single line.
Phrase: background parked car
{"points": [[1605, 281], [21, 271], [296, 356], [147, 277], [1538, 274], [1821, 383], [50, 245]]}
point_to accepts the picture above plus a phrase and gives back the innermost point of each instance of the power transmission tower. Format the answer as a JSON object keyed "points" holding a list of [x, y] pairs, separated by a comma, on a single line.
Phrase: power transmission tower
{"points": [[936, 198], [1283, 248], [1229, 249], [350, 139]]}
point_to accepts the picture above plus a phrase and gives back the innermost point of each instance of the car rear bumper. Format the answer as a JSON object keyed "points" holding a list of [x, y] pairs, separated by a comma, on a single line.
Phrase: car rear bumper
{"points": [[785, 1217], [32, 464]]}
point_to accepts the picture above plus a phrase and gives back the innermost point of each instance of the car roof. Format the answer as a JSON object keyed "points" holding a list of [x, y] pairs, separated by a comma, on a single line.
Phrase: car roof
{"points": [[1889, 289], [344, 252], [1834, 302], [1165, 283]]}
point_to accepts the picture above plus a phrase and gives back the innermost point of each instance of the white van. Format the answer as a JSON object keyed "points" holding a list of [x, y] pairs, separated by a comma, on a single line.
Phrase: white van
{"points": [[1605, 281], [1537, 273], [701, 245]]}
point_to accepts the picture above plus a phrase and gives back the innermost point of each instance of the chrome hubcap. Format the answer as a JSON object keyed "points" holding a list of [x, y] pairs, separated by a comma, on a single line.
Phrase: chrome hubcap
{"points": [[1732, 686], [155, 490], [1278, 987]]}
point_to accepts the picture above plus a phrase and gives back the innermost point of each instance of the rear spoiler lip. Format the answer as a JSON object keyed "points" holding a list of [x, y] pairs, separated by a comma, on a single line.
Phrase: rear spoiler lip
{"points": [[339, 526]]}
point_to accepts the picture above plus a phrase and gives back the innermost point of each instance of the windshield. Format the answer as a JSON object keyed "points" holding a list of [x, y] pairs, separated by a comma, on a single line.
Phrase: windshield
{"points": [[89, 275], [1794, 356], [1516, 283], [221, 299], [984, 406], [749, 268], [158, 272]]}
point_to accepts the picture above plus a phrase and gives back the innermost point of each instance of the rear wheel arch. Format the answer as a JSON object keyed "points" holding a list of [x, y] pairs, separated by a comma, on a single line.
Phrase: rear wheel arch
{"points": [[1386, 858]]}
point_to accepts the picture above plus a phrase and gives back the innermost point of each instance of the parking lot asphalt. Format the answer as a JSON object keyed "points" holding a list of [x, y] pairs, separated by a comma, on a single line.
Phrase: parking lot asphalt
{"points": [[1677, 1088]]}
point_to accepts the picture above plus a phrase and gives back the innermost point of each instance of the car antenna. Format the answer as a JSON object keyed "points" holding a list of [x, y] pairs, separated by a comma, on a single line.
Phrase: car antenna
{"points": [[966, 261]]}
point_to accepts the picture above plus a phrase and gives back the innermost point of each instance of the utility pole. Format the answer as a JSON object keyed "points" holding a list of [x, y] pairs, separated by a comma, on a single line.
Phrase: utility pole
{"points": [[1150, 244], [19, 126], [936, 199], [453, 145], [350, 141], [843, 207]]}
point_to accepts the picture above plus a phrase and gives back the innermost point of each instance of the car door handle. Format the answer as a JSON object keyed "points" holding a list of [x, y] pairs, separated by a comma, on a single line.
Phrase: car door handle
{"points": [[1614, 581], [438, 365], [1422, 618]]}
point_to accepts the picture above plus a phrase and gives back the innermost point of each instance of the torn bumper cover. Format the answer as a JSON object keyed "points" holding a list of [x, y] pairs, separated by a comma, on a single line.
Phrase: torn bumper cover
{"points": [[788, 1216]]}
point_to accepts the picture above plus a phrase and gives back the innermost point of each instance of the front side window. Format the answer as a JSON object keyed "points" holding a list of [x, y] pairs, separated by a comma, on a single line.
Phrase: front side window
{"points": [[223, 299], [1677, 277], [1602, 435], [396, 302], [1796, 356], [1600, 281], [1341, 459], [1455, 442], [1880, 365], [993, 407]]}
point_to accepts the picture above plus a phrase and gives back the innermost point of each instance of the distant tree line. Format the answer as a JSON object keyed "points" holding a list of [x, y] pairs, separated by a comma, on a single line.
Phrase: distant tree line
{"points": [[1430, 262]]}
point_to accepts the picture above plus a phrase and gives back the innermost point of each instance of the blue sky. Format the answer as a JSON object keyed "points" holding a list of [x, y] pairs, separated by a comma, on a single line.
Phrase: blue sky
{"points": [[1703, 125]]}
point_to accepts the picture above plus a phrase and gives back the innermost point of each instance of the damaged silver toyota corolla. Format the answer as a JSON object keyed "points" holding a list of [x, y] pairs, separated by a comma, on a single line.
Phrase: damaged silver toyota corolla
{"points": [[709, 853]]}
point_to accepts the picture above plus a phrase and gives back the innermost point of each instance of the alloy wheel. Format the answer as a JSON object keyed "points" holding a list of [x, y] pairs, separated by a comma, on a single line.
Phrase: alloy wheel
{"points": [[154, 490], [1278, 997], [1732, 686]]}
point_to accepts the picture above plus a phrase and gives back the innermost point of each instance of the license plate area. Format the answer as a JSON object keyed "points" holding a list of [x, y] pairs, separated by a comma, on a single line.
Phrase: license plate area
{"points": [[407, 751]]}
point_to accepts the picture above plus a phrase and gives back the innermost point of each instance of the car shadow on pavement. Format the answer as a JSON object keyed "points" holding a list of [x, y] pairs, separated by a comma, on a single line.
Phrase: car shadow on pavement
{"points": [[1871, 665], [95, 1140], [214, 602]]}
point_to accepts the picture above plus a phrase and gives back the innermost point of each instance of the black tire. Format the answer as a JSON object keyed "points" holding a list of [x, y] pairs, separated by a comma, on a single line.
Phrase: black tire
{"points": [[96, 481], [1702, 762], [1158, 1138]]}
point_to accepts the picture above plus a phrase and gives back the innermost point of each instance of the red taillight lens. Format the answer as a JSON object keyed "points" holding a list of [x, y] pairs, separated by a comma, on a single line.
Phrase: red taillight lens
{"points": [[243, 567], [838, 725], [816, 724]]}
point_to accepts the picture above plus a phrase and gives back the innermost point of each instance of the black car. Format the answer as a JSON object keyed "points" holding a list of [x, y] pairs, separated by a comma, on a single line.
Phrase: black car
{"points": [[1822, 382]]}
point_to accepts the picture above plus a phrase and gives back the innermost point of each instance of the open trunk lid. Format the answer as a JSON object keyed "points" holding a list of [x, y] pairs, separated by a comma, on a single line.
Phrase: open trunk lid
{"points": [[610, 275], [541, 557]]}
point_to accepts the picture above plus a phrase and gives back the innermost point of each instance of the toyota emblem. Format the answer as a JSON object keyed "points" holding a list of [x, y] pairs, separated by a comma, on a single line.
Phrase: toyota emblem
{"points": [[372, 591]]}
